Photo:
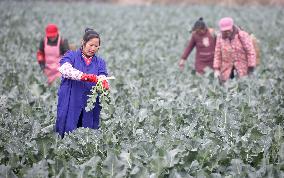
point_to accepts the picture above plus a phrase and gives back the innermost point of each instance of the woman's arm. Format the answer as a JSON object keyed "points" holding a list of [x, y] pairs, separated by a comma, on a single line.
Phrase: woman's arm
{"points": [[218, 54], [40, 55], [246, 41], [189, 48], [70, 72]]}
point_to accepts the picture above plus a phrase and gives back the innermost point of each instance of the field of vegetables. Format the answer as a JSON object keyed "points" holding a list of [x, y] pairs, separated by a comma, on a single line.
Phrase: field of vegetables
{"points": [[161, 122]]}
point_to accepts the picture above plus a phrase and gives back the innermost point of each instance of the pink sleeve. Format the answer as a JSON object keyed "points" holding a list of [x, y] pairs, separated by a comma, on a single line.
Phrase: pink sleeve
{"points": [[218, 54], [249, 49], [69, 72]]}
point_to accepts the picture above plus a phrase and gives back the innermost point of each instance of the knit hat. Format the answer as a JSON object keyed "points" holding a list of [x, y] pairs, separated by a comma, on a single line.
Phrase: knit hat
{"points": [[51, 30], [226, 23]]}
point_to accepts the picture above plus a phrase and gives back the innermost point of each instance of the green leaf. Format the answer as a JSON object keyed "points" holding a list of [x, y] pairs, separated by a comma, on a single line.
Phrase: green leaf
{"points": [[175, 174], [281, 152], [172, 158], [90, 166], [6, 172], [158, 164], [139, 172], [36, 90], [142, 114], [125, 158], [237, 165], [39, 169], [114, 167]]}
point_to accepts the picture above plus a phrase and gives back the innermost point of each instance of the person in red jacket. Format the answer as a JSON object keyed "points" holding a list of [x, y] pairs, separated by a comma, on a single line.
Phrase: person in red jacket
{"points": [[51, 48], [204, 39]]}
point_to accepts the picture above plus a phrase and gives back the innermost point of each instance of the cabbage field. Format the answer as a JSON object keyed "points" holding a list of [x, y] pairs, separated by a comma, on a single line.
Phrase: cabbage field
{"points": [[161, 122]]}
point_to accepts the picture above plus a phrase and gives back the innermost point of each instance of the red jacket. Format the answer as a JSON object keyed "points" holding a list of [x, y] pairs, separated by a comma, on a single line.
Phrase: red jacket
{"points": [[205, 47]]}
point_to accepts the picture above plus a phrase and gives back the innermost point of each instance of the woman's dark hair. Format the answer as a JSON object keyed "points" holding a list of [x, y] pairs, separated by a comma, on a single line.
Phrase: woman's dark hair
{"points": [[199, 24], [90, 34]]}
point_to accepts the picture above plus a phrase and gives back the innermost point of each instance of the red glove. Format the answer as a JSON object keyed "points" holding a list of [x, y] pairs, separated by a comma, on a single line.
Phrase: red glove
{"points": [[89, 78], [105, 85]]}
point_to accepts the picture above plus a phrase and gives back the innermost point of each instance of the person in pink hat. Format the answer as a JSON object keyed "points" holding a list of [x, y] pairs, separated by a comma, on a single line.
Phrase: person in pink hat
{"points": [[50, 50], [234, 52]]}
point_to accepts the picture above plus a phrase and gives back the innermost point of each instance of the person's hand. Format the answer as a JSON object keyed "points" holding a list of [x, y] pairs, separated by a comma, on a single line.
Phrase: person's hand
{"points": [[250, 70], [42, 65], [105, 84], [181, 64], [89, 78], [216, 73]]}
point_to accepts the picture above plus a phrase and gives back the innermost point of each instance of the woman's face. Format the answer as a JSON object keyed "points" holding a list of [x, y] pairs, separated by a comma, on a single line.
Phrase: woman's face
{"points": [[227, 33], [201, 31], [52, 38], [91, 47]]}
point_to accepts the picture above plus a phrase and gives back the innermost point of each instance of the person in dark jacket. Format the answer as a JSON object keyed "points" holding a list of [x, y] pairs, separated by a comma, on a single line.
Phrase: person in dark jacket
{"points": [[80, 71], [204, 40], [50, 50]]}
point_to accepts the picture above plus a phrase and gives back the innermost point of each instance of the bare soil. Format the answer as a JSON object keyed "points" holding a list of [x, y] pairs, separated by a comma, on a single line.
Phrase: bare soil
{"points": [[222, 2], [183, 2]]}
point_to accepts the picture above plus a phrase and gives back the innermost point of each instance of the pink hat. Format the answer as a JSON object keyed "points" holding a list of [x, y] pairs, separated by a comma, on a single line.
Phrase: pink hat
{"points": [[226, 23]]}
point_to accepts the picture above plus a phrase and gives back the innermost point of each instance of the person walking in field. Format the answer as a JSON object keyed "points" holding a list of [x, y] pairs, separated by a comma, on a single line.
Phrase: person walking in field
{"points": [[81, 69], [234, 52], [51, 48], [204, 39]]}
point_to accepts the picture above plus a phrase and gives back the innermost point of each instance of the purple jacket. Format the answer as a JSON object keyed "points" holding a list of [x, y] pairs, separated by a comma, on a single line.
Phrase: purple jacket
{"points": [[73, 94]]}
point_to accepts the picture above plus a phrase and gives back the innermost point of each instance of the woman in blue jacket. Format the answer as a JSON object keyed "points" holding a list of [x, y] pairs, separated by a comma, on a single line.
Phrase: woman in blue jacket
{"points": [[80, 71]]}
